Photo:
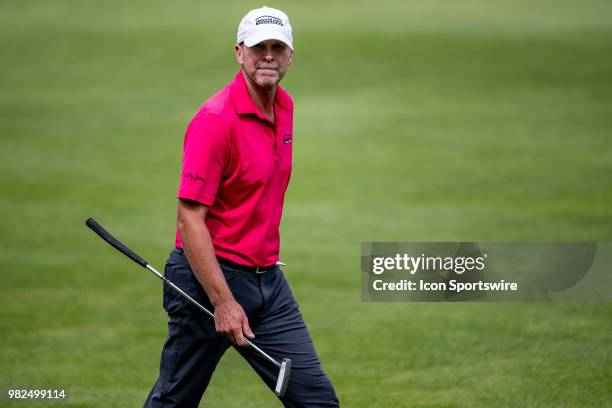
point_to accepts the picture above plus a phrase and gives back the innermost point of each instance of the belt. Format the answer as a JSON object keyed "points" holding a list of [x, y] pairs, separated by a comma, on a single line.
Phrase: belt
{"points": [[245, 268], [256, 269]]}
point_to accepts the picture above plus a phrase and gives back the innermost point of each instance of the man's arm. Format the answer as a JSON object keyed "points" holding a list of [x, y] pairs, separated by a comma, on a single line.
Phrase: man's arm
{"points": [[230, 318]]}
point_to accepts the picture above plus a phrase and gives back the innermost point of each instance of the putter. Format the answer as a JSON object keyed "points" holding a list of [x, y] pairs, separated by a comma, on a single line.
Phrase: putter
{"points": [[284, 366]]}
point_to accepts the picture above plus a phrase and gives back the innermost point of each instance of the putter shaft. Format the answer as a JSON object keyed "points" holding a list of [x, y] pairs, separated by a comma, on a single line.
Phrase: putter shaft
{"points": [[208, 312], [284, 367]]}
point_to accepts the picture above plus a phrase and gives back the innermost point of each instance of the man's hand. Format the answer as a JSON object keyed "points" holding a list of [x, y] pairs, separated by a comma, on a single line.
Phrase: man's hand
{"points": [[231, 321]]}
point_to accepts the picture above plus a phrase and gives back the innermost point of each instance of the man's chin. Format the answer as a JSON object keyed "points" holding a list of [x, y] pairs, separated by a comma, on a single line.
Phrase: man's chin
{"points": [[267, 82]]}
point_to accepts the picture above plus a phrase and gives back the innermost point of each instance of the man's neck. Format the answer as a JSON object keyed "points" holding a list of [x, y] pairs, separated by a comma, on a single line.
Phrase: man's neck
{"points": [[262, 97]]}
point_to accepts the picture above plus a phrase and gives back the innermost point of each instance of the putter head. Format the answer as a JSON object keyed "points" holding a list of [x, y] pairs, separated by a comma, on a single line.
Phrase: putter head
{"points": [[283, 377]]}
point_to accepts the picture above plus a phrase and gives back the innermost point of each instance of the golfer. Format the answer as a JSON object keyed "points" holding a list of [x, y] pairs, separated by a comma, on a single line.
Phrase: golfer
{"points": [[235, 170]]}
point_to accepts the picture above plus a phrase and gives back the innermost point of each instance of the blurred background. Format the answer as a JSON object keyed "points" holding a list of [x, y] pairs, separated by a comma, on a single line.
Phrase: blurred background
{"points": [[415, 121]]}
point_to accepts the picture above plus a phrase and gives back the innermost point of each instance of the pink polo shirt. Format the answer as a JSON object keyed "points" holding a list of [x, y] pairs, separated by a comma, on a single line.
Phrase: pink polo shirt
{"points": [[238, 162]]}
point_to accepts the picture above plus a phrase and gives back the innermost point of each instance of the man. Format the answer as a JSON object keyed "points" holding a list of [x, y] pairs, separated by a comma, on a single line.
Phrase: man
{"points": [[236, 167]]}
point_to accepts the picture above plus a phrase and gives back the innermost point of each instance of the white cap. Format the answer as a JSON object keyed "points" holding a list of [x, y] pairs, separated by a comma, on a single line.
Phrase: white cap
{"points": [[262, 24]]}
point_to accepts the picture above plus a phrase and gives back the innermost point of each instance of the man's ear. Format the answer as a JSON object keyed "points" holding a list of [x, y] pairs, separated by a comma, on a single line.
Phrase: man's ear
{"points": [[290, 56], [238, 49]]}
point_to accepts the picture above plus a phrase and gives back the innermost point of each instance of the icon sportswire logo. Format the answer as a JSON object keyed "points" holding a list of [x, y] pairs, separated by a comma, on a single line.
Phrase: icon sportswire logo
{"points": [[268, 20]]}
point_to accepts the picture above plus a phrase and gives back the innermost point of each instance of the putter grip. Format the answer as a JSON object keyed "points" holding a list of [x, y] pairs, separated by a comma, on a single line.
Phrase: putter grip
{"points": [[105, 235]]}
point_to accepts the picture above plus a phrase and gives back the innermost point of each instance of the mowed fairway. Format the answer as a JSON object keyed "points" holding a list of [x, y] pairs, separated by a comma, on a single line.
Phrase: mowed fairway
{"points": [[415, 121]]}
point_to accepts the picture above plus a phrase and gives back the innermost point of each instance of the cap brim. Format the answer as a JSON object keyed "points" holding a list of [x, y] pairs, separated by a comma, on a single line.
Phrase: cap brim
{"points": [[270, 35]]}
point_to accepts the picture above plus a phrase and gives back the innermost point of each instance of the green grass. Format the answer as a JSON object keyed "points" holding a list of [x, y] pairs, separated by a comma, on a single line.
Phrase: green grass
{"points": [[415, 121]]}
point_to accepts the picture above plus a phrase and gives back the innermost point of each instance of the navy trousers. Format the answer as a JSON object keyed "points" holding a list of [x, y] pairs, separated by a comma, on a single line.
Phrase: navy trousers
{"points": [[193, 347]]}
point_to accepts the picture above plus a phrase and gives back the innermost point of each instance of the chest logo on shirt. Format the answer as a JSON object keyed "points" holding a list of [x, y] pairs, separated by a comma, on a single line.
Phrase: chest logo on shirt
{"points": [[287, 139]]}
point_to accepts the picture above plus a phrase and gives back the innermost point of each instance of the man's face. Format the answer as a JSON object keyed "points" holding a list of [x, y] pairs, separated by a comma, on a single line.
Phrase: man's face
{"points": [[265, 63]]}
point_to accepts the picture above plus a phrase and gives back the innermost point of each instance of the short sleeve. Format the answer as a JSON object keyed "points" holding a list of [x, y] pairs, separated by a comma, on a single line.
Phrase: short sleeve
{"points": [[205, 155]]}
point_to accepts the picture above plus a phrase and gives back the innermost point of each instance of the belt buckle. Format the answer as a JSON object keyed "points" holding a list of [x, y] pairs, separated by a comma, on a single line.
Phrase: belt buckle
{"points": [[258, 270]]}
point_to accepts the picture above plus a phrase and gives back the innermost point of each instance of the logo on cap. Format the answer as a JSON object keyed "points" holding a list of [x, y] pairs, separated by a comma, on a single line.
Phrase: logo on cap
{"points": [[268, 20]]}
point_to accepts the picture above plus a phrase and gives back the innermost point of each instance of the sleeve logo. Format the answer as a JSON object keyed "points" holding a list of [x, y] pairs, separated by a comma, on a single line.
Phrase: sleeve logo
{"points": [[194, 178]]}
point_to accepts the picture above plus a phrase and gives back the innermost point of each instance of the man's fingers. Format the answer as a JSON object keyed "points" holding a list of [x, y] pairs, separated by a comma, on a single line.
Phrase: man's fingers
{"points": [[246, 329], [231, 320], [239, 338]]}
